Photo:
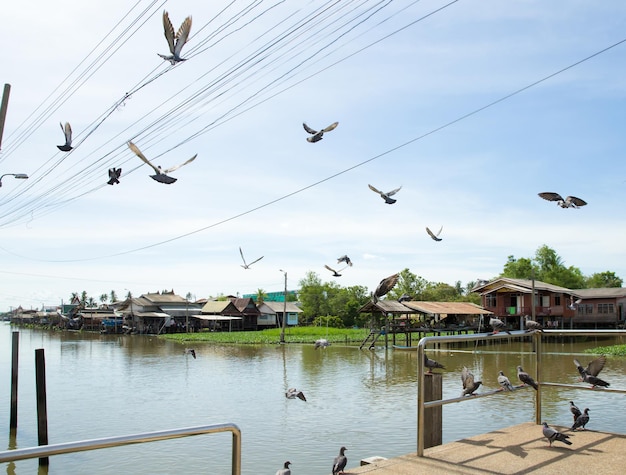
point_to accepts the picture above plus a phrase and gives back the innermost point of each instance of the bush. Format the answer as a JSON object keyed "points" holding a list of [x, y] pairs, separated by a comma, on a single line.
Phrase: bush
{"points": [[328, 321]]}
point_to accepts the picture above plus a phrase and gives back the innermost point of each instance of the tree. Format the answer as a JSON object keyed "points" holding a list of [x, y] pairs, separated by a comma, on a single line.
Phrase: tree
{"points": [[83, 298], [601, 280], [261, 295], [311, 295], [522, 268], [104, 298], [113, 296], [408, 284], [129, 295]]}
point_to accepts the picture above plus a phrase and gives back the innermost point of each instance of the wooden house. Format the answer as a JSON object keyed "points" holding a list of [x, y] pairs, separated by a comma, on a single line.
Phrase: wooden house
{"points": [[248, 310], [220, 315], [272, 314], [599, 308]]}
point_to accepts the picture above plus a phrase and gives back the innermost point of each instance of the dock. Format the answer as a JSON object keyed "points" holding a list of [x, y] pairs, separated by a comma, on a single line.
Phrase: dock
{"points": [[518, 449]]}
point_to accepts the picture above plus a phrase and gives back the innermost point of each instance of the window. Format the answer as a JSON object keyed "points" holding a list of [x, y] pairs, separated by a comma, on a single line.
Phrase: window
{"points": [[557, 300], [606, 308], [490, 300]]}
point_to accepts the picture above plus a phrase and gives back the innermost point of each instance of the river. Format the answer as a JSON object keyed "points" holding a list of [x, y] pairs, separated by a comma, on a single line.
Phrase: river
{"points": [[108, 385]]}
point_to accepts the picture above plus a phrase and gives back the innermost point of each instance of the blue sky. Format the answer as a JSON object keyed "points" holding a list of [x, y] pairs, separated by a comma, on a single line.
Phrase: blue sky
{"points": [[410, 95]]}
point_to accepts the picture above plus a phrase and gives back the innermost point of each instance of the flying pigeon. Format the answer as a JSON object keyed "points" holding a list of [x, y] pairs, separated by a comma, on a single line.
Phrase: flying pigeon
{"points": [[385, 286], [67, 131], [552, 435], [497, 325], [590, 373], [504, 382], [404, 297], [293, 393], [582, 420], [433, 235], [161, 175], [114, 175], [335, 272], [175, 41], [386, 196], [569, 202], [469, 385], [432, 364], [245, 264], [285, 470], [190, 351], [345, 259], [340, 461], [573, 305], [316, 136], [574, 410], [321, 343], [525, 378], [532, 325]]}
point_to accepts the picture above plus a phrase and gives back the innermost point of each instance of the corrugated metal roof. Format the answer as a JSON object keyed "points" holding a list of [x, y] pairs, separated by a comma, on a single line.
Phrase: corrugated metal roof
{"points": [[220, 306], [606, 293], [385, 306], [164, 298], [280, 306], [447, 308], [504, 284]]}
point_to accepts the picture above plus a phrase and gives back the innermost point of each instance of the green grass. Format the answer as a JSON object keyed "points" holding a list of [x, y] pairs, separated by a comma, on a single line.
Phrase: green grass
{"points": [[615, 350]]}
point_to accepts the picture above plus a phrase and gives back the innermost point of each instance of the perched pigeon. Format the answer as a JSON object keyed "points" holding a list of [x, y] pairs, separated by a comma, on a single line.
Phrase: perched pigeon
{"points": [[245, 264], [285, 470], [316, 136], [190, 351], [525, 378], [336, 273], [432, 364], [497, 325], [569, 202], [321, 343], [161, 175], [386, 196], [532, 325], [67, 131], [433, 235], [345, 259], [469, 385], [114, 175], [574, 410], [582, 420], [504, 382], [554, 435], [590, 373], [340, 461], [175, 41], [385, 286], [293, 393]]}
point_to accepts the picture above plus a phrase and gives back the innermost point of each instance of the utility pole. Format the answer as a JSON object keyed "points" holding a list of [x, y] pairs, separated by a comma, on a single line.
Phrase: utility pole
{"points": [[284, 322], [3, 109]]}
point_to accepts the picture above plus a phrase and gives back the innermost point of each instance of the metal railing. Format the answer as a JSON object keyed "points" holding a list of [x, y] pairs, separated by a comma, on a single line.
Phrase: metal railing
{"points": [[536, 337], [119, 441]]}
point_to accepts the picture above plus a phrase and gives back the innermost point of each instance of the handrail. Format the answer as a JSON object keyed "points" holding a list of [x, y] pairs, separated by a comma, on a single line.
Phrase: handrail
{"points": [[118, 441], [537, 337]]}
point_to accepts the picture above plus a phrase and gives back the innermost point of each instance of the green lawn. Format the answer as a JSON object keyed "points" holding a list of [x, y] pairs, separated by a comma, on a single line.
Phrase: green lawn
{"points": [[615, 350]]}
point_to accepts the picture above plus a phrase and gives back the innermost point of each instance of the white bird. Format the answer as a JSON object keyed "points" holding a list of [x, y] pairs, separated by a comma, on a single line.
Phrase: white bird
{"points": [[190, 351], [345, 259], [161, 175], [316, 135], [293, 393], [433, 235], [497, 325], [504, 382], [469, 384], [321, 343], [175, 41], [386, 196], [569, 202], [532, 325], [67, 131], [573, 305], [285, 470], [245, 264]]}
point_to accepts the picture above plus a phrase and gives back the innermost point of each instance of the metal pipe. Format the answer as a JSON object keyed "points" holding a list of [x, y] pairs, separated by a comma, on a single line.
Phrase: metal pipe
{"points": [[421, 395], [538, 344], [3, 109]]}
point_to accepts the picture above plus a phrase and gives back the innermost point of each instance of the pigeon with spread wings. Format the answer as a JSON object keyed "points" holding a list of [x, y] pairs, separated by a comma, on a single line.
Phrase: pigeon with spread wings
{"points": [[114, 175], [316, 135], [590, 373], [161, 175], [569, 202], [386, 196], [177, 40], [67, 131], [336, 273], [245, 264], [433, 235]]}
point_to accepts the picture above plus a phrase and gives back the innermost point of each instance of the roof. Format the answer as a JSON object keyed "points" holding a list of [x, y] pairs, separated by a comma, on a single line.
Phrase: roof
{"points": [[220, 307], [506, 284], [279, 307], [385, 306], [447, 308], [604, 293], [217, 318], [246, 306], [167, 297]]}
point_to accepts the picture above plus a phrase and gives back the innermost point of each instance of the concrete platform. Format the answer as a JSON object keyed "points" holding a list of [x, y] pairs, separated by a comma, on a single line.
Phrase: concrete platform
{"points": [[515, 450]]}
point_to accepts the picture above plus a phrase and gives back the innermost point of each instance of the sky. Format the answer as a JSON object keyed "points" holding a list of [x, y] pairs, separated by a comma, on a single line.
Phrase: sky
{"points": [[473, 107]]}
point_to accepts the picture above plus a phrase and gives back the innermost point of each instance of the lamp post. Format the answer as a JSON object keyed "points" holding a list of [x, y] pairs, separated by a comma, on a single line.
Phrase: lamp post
{"points": [[284, 322], [19, 176]]}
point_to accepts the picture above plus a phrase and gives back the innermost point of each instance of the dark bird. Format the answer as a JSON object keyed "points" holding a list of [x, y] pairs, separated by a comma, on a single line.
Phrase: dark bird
{"points": [[114, 175], [590, 373], [386, 196], [497, 325], [469, 385], [569, 202], [385, 286], [432, 364], [67, 131], [340, 462], [345, 259], [532, 325], [336, 273], [285, 470], [161, 175], [404, 298], [190, 351], [582, 420], [316, 136], [245, 264], [504, 382], [554, 435], [321, 343], [175, 41], [574, 410], [293, 393], [525, 378], [433, 235]]}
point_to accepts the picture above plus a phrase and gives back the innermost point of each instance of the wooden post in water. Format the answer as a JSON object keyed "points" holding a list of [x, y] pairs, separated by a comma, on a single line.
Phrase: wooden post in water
{"points": [[15, 348], [42, 411], [433, 415]]}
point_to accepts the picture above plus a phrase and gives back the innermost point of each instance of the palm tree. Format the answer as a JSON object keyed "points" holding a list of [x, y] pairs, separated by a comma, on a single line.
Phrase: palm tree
{"points": [[260, 296], [129, 295], [83, 297], [113, 296], [103, 299]]}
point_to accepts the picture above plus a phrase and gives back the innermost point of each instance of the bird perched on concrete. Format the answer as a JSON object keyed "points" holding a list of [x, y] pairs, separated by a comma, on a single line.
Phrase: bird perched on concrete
{"points": [[321, 343], [161, 175], [190, 351], [386, 196], [316, 135], [469, 385], [245, 264], [590, 373], [67, 131], [340, 462], [433, 235], [497, 325], [569, 202], [285, 470], [525, 378], [385, 286], [432, 364], [114, 175], [175, 41], [504, 382], [336, 273], [293, 393], [574, 410], [554, 435], [532, 325], [345, 259], [582, 420]]}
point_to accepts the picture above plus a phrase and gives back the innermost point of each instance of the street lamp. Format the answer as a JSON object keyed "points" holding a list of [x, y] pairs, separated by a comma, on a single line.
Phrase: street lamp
{"points": [[19, 176], [284, 322]]}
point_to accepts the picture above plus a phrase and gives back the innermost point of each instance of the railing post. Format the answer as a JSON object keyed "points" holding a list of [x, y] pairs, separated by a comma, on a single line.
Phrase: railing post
{"points": [[538, 343], [15, 355], [420, 398]]}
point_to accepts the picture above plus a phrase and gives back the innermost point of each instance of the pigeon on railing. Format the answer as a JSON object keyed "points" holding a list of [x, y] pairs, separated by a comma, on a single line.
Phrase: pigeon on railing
{"points": [[469, 384], [525, 378], [590, 373], [432, 364], [504, 382]]}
